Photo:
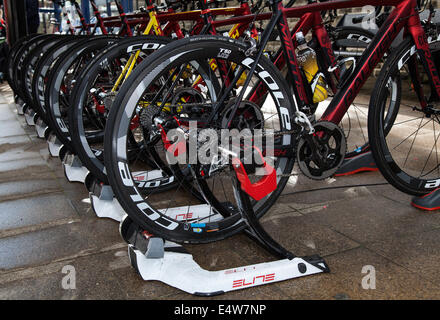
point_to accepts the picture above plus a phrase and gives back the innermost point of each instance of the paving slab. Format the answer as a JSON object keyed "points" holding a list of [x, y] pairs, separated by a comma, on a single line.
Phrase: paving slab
{"points": [[6, 113], [35, 168], [94, 279], [344, 281], [303, 239], [10, 142], [28, 188], [419, 252], [371, 219], [60, 242], [300, 200], [19, 154], [10, 128], [391, 193], [34, 211], [300, 183]]}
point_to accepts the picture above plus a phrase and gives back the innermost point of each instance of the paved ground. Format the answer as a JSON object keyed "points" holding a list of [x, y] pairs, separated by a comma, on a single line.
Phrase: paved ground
{"points": [[46, 223]]}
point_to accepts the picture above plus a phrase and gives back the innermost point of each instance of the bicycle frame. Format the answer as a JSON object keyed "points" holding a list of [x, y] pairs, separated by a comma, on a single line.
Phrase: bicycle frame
{"points": [[204, 24], [99, 19], [311, 21], [404, 16], [122, 20]]}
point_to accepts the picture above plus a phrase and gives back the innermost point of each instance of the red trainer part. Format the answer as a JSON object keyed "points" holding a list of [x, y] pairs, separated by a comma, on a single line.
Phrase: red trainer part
{"points": [[261, 188], [363, 169], [175, 149], [147, 235], [100, 108]]}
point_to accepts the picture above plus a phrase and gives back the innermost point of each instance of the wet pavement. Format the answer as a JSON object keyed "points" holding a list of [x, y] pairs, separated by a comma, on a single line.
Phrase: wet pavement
{"points": [[47, 224]]}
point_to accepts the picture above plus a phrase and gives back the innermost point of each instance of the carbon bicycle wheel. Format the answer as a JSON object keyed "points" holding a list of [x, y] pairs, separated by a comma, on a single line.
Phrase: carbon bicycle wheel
{"points": [[62, 79], [94, 94], [175, 215], [42, 70], [404, 135], [30, 63]]}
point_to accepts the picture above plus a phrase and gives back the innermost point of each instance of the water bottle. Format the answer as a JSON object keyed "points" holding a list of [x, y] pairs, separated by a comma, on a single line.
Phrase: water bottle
{"points": [[306, 57]]}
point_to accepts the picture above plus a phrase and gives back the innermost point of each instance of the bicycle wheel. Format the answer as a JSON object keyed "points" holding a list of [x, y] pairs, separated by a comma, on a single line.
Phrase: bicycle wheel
{"points": [[42, 69], [95, 92], [19, 59], [177, 81], [62, 80], [11, 56], [29, 67], [404, 136]]}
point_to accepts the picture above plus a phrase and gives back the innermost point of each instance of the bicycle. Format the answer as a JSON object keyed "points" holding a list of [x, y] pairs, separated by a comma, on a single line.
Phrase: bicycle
{"points": [[91, 154], [31, 91], [297, 135]]}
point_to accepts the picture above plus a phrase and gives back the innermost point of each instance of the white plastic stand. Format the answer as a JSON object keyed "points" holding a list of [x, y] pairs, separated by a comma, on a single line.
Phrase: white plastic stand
{"points": [[105, 205], [171, 264], [54, 145], [40, 128], [197, 212], [152, 179], [19, 104], [29, 116], [73, 168]]}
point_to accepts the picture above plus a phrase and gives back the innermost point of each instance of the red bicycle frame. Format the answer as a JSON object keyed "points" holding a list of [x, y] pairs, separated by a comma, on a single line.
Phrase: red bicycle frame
{"points": [[404, 16], [126, 21], [171, 19], [311, 21]]}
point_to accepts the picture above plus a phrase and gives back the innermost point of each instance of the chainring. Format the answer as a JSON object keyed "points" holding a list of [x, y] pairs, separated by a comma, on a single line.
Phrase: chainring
{"points": [[330, 144]]}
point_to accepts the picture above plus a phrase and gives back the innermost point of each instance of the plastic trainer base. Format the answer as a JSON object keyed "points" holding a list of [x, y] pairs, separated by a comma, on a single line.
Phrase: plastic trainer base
{"points": [[40, 128], [29, 116], [168, 262], [54, 145], [428, 202], [73, 168], [359, 163]]}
